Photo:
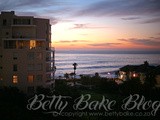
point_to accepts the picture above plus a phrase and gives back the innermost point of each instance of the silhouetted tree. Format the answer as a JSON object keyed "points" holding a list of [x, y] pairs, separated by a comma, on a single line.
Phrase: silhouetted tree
{"points": [[97, 75], [75, 67], [146, 63]]}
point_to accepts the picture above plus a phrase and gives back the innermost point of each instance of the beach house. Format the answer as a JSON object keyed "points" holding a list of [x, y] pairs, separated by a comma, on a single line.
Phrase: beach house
{"points": [[136, 71]]}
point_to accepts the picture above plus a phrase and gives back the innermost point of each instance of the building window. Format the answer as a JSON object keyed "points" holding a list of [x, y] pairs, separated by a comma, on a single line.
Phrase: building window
{"points": [[16, 21], [7, 33], [15, 79], [4, 22], [1, 78], [30, 78], [39, 67], [31, 55], [15, 67], [26, 21], [21, 44], [21, 21], [39, 56], [10, 44], [1, 67], [31, 67], [0, 56], [39, 77], [32, 44], [15, 56], [39, 44]]}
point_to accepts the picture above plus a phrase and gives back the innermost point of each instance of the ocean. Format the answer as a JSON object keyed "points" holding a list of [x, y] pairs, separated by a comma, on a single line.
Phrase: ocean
{"points": [[89, 64]]}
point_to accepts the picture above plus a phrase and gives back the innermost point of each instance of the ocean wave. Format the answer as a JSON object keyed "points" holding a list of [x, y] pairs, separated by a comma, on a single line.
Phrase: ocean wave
{"points": [[89, 64], [89, 67]]}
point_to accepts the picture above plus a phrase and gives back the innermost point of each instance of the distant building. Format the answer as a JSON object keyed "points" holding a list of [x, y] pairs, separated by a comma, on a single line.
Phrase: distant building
{"points": [[135, 71], [26, 56]]}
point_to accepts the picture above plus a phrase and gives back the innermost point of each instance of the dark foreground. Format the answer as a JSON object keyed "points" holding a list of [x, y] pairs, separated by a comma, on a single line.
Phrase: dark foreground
{"points": [[15, 105]]}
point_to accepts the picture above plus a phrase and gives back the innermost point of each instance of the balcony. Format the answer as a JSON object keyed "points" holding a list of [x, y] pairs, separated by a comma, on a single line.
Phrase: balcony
{"points": [[23, 43], [50, 78], [50, 69], [50, 59], [50, 55], [23, 25]]}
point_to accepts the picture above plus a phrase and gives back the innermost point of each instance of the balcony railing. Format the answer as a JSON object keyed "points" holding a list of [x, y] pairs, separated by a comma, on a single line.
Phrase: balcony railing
{"points": [[49, 59], [50, 69], [50, 55]]}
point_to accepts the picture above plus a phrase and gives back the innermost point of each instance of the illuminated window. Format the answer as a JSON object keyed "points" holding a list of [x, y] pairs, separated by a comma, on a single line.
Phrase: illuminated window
{"points": [[134, 75], [32, 44], [121, 76], [21, 44], [15, 79], [30, 78]]}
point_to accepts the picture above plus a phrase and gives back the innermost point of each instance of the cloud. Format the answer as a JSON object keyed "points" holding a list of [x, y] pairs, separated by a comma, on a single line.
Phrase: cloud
{"points": [[87, 26], [130, 18], [153, 20], [53, 20], [77, 26], [37, 8], [104, 44], [71, 41], [14, 4], [155, 38], [122, 8], [146, 42], [66, 20]]}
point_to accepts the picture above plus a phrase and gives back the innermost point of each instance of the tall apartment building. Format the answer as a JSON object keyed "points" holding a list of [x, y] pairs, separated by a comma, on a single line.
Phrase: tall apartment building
{"points": [[26, 57]]}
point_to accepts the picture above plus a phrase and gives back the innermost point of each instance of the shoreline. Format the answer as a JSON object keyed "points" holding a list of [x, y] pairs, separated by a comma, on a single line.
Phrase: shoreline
{"points": [[109, 74]]}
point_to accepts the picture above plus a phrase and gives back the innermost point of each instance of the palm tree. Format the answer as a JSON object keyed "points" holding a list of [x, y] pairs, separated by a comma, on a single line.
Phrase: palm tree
{"points": [[75, 67]]}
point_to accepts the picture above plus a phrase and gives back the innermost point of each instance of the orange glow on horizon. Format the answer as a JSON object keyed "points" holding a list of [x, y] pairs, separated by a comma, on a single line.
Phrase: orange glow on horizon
{"points": [[119, 36]]}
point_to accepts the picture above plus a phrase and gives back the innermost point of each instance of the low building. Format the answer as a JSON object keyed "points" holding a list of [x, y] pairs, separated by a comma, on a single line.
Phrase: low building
{"points": [[136, 71]]}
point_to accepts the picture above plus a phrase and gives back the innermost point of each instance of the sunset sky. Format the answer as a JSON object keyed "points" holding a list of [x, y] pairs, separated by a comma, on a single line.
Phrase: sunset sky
{"points": [[96, 24]]}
